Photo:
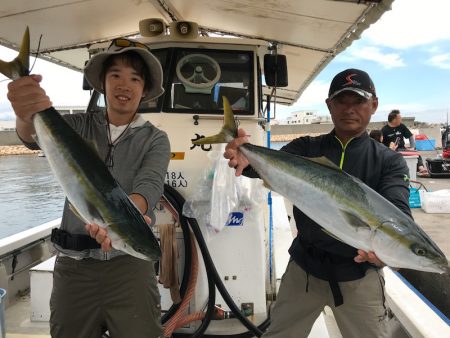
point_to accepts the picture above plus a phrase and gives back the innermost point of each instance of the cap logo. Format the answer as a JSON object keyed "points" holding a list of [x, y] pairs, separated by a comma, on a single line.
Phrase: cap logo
{"points": [[350, 81]]}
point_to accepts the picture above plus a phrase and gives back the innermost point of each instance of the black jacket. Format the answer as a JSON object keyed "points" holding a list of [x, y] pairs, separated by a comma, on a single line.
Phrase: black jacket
{"points": [[376, 165]]}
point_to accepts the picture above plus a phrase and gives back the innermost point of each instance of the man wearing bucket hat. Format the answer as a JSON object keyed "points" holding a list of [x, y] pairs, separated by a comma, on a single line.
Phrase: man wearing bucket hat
{"points": [[96, 287], [322, 270]]}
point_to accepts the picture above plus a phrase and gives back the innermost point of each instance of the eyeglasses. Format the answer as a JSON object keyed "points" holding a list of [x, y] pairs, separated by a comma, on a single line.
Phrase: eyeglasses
{"points": [[124, 43]]}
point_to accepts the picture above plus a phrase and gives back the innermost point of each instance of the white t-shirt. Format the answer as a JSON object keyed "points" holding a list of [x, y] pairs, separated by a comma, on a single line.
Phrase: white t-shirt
{"points": [[116, 131]]}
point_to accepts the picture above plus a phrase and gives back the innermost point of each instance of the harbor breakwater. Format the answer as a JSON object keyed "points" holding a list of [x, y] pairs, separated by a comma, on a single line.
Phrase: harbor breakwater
{"points": [[16, 150]]}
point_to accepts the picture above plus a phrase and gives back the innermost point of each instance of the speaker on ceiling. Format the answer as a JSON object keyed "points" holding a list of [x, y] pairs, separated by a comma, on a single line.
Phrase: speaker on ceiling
{"points": [[152, 27], [184, 29]]}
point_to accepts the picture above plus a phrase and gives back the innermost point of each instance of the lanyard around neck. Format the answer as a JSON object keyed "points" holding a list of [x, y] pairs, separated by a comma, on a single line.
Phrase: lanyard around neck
{"points": [[109, 159]]}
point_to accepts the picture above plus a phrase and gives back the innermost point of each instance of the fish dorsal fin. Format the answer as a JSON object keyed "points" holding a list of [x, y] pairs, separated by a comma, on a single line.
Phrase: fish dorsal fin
{"points": [[324, 161], [228, 117], [355, 221], [228, 131]]}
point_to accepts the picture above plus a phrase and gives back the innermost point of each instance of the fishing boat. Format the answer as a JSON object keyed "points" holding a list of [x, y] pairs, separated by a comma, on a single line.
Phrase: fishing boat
{"points": [[255, 53]]}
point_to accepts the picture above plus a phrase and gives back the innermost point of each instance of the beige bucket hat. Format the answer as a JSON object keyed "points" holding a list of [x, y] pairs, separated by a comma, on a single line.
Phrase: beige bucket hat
{"points": [[94, 67]]}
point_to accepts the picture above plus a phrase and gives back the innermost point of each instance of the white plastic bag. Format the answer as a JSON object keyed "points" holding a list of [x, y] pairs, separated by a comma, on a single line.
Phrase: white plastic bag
{"points": [[220, 195]]}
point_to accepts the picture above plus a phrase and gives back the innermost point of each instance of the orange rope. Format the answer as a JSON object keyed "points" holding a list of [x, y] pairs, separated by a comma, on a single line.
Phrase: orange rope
{"points": [[179, 319], [190, 318]]}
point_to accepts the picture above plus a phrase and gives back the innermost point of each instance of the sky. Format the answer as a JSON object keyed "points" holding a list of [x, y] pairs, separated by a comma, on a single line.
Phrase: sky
{"points": [[406, 52]]}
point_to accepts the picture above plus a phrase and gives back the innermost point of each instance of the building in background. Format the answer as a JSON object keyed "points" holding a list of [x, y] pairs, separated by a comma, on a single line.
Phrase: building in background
{"points": [[305, 117], [7, 125], [70, 109]]}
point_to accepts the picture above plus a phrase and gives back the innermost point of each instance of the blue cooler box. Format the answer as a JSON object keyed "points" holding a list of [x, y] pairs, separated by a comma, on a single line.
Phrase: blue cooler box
{"points": [[429, 144], [414, 198]]}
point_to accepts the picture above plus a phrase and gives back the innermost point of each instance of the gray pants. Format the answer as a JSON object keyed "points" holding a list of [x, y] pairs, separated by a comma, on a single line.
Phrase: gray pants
{"points": [[363, 313], [120, 294]]}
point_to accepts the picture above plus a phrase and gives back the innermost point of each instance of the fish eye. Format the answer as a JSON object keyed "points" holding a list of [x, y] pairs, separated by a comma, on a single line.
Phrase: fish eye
{"points": [[420, 251], [139, 249]]}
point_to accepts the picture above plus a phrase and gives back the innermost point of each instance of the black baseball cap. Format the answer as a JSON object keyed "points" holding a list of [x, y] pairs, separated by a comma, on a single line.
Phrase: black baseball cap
{"points": [[355, 80]]}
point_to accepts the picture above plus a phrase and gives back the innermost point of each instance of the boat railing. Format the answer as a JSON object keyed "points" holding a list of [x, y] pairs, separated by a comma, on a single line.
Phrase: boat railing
{"points": [[416, 315], [25, 238]]}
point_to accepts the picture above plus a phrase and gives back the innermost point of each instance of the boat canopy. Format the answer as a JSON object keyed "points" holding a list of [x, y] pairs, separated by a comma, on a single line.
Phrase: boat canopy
{"points": [[309, 32]]}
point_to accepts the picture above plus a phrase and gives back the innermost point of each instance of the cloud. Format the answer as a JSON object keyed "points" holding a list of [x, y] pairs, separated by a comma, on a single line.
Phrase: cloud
{"points": [[6, 111], [63, 87], [434, 49], [411, 23], [371, 53], [314, 94], [7, 116], [313, 98], [403, 107], [4, 103], [440, 61], [420, 111]]}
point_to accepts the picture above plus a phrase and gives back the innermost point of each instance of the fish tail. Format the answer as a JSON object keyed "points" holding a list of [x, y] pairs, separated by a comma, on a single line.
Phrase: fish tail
{"points": [[20, 65], [228, 131]]}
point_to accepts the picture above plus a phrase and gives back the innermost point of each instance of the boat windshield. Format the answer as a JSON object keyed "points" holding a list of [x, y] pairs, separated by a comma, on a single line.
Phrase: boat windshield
{"points": [[196, 79]]}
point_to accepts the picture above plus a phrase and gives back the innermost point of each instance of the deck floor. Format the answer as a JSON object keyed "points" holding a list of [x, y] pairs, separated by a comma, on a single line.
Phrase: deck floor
{"points": [[437, 226], [18, 323]]}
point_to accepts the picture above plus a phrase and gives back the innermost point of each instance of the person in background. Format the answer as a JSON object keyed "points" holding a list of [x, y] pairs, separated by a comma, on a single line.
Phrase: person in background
{"points": [[377, 135], [96, 287], [323, 270], [395, 131]]}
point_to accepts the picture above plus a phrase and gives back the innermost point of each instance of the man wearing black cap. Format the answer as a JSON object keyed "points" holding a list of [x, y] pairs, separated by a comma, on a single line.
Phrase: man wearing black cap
{"points": [[97, 287], [322, 270]]}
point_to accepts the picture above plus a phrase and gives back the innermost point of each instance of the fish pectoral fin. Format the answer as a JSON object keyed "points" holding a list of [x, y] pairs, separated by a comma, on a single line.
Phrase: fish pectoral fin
{"points": [[332, 235], [76, 213], [93, 145], [120, 244], [355, 221], [324, 161], [36, 139], [267, 185]]}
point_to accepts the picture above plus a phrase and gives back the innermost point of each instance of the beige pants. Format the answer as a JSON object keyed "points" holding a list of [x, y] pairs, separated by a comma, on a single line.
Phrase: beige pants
{"points": [[363, 313], [120, 294]]}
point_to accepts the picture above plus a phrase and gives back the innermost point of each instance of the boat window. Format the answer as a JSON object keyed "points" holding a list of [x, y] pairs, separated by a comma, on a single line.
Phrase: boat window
{"points": [[200, 77]]}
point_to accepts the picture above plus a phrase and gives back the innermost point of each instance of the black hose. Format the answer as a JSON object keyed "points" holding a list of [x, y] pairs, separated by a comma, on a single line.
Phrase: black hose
{"points": [[177, 201], [211, 269]]}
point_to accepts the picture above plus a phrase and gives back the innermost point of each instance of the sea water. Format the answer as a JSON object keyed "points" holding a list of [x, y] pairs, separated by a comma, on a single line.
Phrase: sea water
{"points": [[29, 193]]}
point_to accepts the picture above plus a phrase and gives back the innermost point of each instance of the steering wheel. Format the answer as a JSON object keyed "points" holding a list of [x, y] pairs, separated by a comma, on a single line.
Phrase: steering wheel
{"points": [[198, 82]]}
